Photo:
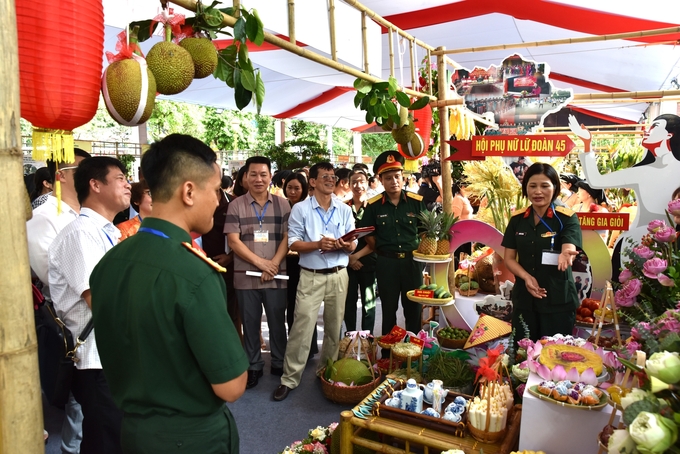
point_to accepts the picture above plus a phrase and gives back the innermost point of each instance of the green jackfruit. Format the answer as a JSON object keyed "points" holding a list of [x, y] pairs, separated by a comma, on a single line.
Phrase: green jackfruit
{"points": [[203, 53], [121, 88], [172, 67], [403, 134], [350, 370]]}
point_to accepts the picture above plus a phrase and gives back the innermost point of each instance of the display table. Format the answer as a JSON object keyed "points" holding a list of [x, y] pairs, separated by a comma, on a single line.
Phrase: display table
{"points": [[410, 434], [559, 430]]}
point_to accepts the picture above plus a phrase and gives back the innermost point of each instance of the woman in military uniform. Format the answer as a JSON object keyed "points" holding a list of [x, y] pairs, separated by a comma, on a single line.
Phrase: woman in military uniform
{"points": [[540, 245]]}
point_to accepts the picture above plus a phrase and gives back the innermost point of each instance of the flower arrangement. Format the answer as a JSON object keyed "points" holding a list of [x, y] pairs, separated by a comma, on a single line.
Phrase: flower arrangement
{"points": [[318, 441], [658, 334], [648, 280]]}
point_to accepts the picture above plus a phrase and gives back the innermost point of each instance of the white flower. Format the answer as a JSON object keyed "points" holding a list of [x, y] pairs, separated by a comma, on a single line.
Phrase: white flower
{"points": [[653, 432], [505, 359], [633, 396], [665, 366], [521, 374], [319, 433], [620, 442]]}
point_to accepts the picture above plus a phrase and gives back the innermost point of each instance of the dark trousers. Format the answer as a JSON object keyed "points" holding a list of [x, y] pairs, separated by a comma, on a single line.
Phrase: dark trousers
{"points": [[395, 278], [541, 325], [250, 305], [101, 418], [365, 281]]}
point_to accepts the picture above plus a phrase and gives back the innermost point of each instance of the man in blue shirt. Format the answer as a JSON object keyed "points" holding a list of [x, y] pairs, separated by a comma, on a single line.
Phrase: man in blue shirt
{"points": [[315, 228]]}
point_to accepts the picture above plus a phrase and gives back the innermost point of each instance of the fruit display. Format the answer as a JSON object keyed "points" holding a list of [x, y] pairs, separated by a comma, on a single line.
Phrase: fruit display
{"points": [[569, 356], [453, 333], [616, 392], [172, 66], [572, 393], [349, 371], [604, 341], [590, 310], [439, 290], [129, 91], [436, 236], [203, 53]]}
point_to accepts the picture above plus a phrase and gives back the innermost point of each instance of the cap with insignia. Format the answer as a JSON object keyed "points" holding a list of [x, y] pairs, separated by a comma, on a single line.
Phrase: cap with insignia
{"points": [[388, 160]]}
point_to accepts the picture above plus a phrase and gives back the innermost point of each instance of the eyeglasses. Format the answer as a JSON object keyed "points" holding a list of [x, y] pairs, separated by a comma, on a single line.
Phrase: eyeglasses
{"points": [[68, 168], [329, 178], [147, 192]]}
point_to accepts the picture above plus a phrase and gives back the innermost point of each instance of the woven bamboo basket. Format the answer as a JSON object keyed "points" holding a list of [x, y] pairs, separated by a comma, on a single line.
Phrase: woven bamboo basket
{"points": [[347, 394], [484, 436], [468, 292]]}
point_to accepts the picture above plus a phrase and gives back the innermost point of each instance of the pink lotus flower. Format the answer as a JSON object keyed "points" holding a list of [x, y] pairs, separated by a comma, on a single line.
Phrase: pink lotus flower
{"points": [[627, 294], [632, 347], [655, 225], [665, 280], [644, 252], [625, 275], [621, 300], [674, 207], [558, 374], [525, 343], [666, 235], [653, 267]]}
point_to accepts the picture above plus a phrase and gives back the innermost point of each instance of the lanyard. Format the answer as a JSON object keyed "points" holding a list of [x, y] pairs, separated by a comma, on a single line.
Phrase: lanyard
{"points": [[325, 221], [552, 238], [260, 217], [153, 232], [103, 231]]}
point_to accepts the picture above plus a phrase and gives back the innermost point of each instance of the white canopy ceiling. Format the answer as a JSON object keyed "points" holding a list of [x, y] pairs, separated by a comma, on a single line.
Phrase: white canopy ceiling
{"points": [[299, 88]]}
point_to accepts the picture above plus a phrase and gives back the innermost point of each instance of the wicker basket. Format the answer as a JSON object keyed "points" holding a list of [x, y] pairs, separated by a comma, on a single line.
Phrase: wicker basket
{"points": [[468, 292], [399, 357], [484, 436], [384, 345], [347, 394], [451, 343]]}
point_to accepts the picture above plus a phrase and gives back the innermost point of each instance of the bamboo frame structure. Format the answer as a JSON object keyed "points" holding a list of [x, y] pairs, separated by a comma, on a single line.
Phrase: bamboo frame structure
{"points": [[21, 417], [291, 21], [444, 152], [391, 38], [331, 18], [411, 55], [365, 42], [557, 42]]}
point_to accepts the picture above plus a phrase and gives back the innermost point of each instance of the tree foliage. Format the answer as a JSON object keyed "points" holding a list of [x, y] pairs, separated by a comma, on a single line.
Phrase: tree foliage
{"points": [[305, 148], [176, 117], [374, 144]]}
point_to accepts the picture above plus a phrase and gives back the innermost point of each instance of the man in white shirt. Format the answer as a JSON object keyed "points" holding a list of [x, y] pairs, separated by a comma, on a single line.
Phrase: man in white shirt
{"points": [[103, 191], [41, 229]]}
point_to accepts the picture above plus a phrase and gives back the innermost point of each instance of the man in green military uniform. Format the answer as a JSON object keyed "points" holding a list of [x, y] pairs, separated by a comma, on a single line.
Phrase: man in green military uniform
{"points": [[394, 216], [169, 350]]}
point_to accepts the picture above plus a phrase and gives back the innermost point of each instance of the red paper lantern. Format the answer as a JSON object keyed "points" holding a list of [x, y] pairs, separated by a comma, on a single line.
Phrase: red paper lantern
{"points": [[61, 47], [422, 119]]}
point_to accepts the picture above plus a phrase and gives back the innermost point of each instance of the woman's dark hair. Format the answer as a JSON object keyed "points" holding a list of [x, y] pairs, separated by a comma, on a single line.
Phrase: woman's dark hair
{"points": [[239, 190], [597, 194], [41, 175], [227, 182], [540, 168], [137, 193], [280, 176], [455, 188], [676, 194], [302, 178], [672, 126], [570, 178]]}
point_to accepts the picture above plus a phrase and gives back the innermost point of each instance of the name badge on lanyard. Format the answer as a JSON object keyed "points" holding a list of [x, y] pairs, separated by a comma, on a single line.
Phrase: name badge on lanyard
{"points": [[261, 235], [549, 256]]}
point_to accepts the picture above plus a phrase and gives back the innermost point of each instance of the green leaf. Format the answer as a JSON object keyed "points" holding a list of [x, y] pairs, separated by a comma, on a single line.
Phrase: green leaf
{"points": [[221, 70], [237, 77], [259, 38], [363, 86], [382, 110], [252, 27], [242, 96], [390, 108], [365, 103], [420, 103], [229, 53], [229, 11], [403, 99], [374, 100], [357, 99], [240, 29], [244, 59], [145, 30], [248, 79], [230, 76], [259, 92], [369, 118], [395, 119], [381, 86], [213, 18], [392, 82]]}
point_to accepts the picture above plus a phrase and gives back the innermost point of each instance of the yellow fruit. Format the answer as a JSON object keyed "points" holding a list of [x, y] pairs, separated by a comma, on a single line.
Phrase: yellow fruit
{"points": [[204, 55], [122, 84], [172, 66], [443, 247]]}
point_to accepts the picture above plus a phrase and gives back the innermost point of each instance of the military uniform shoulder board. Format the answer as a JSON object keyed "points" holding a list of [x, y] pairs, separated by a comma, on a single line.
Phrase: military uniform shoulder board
{"points": [[413, 195], [564, 210], [200, 254], [375, 198], [520, 211]]}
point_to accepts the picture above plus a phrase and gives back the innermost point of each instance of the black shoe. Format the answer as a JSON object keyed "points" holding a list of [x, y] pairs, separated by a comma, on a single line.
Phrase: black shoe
{"points": [[281, 393], [278, 371], [253, 378]]}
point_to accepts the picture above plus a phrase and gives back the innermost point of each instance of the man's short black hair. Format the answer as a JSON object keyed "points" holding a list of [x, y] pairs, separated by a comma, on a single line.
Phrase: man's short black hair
{"points": [[177, 158], [314, 171], [258, 160], [95, 168], [52, 166]]}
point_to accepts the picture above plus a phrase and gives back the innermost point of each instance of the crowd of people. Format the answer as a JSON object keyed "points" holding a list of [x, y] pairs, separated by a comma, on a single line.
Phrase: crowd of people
{"points": [[176, 292]]}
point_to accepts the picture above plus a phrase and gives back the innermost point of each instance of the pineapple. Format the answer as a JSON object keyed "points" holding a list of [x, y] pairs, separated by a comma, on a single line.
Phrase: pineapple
{"points": [[430, 222], [444, 241]]}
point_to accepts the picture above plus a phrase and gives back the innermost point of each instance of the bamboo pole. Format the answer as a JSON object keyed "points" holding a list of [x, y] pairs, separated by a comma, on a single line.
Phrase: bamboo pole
{"points": [[331, 16], [411, 55], [365, 42], [429, 72], [391, 38], [444, 152], [21, 419], [556, 42], [291, 21], [303, 52], [237, 8]]}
